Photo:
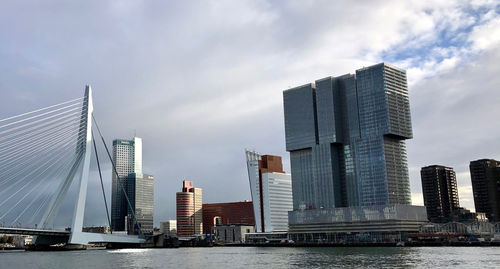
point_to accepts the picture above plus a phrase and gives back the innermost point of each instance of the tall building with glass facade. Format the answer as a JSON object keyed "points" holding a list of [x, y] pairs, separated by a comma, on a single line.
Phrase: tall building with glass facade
{"points": [[271, 190], [127, 157], [140, 191], [346, 137]]}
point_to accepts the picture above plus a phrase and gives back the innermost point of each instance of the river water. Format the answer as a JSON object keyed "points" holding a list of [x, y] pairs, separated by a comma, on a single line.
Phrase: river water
{"points": [[259, 257]]}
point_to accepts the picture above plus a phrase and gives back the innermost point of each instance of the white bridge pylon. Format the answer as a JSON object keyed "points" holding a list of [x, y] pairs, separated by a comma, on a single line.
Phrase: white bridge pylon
{"points": [[84, 151]]}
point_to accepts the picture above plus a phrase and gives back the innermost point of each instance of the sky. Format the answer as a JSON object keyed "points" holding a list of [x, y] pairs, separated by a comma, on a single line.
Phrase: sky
{"points": [[200, 81]]}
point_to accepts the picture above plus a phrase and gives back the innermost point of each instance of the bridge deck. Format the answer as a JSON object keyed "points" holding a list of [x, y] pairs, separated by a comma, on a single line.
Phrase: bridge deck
{"points": [[87, 237], [29, 231]]}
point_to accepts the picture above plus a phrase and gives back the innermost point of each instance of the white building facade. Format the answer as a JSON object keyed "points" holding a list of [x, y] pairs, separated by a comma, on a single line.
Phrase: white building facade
{"points": [[271, 190], [169, 227], [277, 200]]}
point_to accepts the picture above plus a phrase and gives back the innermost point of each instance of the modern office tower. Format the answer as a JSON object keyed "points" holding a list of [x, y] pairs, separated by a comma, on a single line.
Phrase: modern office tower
{"points": [[235, 213], [439, 187], [169, 228], [127, 157], [271, 190], [198, 211], [189, 210], [185, 213], [140, 192], [346, 137], [485, 176]]}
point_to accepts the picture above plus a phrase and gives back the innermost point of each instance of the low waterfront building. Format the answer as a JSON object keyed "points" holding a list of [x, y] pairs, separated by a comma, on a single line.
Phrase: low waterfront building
{"points": [[16, 241], [234, 233], [267, 238], [227, 214], [371, 224], [168, 228], [458, 231], [464, 215]]}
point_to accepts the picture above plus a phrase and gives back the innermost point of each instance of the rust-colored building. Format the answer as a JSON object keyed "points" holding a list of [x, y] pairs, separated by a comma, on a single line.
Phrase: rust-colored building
{"points": [[227, 213], [270, 163], [189, 212]]}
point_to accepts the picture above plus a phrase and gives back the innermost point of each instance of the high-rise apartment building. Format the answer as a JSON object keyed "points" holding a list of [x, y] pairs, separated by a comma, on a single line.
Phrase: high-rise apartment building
{"points": [[485, 176], [189, 210], [439, 187], [140, 192], [271, 190], [346, 137]]}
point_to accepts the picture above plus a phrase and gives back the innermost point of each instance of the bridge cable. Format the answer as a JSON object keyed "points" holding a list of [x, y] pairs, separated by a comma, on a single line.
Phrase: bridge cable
{"points": [[47, 146], [56, 160], [65, 146], [29, 192], [35, 149], [102, 184], [39, 115], [118, 177], [41, 109], [59, 173]]}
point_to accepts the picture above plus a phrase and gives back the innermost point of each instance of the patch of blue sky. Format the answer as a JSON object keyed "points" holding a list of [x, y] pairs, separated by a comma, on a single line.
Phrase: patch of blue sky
{"points": [[446, 42]]}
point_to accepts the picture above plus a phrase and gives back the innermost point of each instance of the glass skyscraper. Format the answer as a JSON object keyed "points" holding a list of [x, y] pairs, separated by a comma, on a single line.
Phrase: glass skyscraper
{"points": [[346, 137], [127, 157], [140, 191]]}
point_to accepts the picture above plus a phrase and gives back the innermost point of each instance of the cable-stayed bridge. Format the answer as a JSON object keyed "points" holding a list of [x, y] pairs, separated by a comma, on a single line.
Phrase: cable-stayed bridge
{"points": [[42, 154]]}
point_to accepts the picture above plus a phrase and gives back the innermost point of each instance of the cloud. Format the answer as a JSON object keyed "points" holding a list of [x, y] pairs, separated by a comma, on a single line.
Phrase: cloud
{"points": [[466, 197], [201, 81], [417, 198]]}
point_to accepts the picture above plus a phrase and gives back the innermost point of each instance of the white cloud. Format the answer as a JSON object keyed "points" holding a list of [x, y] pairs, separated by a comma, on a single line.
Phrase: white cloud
{"points": [[417, 198], [487, 35], [466, 197]]}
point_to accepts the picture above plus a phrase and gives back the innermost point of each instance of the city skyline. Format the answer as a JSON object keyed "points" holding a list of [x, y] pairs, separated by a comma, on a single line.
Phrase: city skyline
{"points": [[447, 48]]}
